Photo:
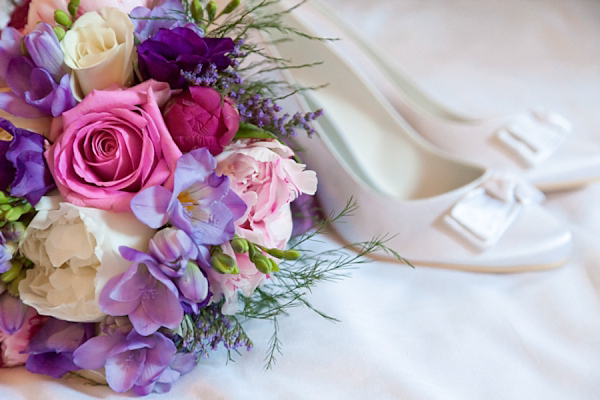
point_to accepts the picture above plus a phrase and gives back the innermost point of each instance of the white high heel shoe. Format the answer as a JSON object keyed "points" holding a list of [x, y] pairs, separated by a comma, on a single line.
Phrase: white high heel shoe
{"points": [[442, 212], [535, 145]]}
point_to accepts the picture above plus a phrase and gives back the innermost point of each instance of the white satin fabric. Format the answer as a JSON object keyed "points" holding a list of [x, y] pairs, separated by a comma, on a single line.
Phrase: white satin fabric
{"points": [[427, 333]]}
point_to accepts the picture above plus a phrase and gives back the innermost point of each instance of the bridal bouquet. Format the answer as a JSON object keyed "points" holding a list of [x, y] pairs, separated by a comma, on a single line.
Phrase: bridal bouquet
{"points": [[146, 189]]}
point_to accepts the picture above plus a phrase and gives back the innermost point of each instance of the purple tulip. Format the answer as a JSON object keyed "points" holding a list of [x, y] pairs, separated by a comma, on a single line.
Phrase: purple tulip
{"points": [[143, 293], [12, 313], [51, 349], [173, 249], [200, 204], [169, 15], [130, 361], [171, 52], [22, 164]]}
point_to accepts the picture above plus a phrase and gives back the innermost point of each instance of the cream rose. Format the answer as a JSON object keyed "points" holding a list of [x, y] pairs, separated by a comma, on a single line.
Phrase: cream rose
{"points": [[75, 252], [99, 49]]}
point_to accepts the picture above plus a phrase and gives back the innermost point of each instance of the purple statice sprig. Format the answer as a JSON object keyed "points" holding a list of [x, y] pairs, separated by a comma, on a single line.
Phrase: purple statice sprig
{"points": [[203, 332]]}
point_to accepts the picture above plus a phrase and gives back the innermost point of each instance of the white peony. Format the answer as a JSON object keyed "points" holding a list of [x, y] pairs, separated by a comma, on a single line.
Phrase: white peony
{"points": [[75, 252], [99, 48]]}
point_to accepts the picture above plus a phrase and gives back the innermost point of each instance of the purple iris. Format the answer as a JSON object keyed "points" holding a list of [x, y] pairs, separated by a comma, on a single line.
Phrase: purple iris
{"points": [[171, 53], [23, 168], [143, 293], [5, 255], [39, 82], [130, 361], [169, 15], [201, 203], [12, 313], [51, 349]]}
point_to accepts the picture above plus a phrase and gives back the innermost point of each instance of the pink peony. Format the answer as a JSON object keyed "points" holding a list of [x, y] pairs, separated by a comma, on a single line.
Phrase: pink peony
{"points": [[113, 145], [11, 346], [199, 117], [265, 176], [43, 10]]}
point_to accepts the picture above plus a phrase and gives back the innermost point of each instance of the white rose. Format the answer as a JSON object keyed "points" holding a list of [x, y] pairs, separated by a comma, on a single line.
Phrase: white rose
{"points": [[75, 252], [99, 49]]}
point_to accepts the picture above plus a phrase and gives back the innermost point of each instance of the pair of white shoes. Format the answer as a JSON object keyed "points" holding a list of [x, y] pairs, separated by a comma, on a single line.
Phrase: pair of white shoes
{"points": [[455, 192]]}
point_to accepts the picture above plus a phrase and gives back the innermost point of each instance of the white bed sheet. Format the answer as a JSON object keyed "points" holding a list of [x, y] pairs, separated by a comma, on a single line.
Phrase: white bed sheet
{"points": [[429, 333]]}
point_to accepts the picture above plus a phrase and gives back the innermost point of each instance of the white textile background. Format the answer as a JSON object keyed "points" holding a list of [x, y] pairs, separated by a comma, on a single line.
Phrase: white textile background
{"points": [[429, 333]]}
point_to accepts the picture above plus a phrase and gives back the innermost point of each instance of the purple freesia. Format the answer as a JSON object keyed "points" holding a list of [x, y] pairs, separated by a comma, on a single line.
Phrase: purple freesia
{"points": [[181, 365], [130, 361], [12, 313], [169, 15], [10, 47], [201, 203], [23, 168], [5, 255], [39, 82], [51, 349], [173, 249], [143, 293], [172, 52]]}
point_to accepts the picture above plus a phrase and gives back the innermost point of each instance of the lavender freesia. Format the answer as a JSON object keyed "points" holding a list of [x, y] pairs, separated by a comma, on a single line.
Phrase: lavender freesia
{"points": [[143, 293], [12, 313], [23, 168], [130, 361], [169, 15], [39, 82], [51, 349], [201, 203], [171, 53]]}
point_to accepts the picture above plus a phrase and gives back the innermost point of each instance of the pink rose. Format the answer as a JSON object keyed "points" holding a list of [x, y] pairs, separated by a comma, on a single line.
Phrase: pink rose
{"points": [[199, 117], [265, 176], [43, 10], [113, 145], [11, 346]]}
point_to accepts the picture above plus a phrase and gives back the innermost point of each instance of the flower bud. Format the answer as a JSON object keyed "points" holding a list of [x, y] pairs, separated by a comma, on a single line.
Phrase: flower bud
{"points": [[193, 285], [231, 6], [240, 245], [197, 11], [14, 213], [211, 10], [14, 231], [291, 255], [12, 313], [224, 264], [13, 286], [275, 253], [72, 7], [274, 265], [62, 18], [13, 272], [262, 263], [59, 31]]}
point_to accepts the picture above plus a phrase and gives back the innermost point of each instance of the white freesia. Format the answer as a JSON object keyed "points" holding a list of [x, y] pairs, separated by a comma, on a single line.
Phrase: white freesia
{"points": [[99, 49], [75, 252]]}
